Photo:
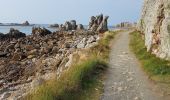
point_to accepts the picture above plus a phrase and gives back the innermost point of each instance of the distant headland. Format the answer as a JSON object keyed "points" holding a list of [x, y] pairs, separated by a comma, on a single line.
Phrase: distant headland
{"points": [[26, 23]]}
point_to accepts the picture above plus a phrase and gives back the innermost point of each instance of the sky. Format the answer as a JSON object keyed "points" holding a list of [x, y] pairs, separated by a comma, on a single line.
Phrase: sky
{"points": [[59, 11]]}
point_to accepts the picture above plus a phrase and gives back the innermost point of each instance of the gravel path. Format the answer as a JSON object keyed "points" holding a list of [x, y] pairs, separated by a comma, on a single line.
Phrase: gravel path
{"points": [[125, 79]]}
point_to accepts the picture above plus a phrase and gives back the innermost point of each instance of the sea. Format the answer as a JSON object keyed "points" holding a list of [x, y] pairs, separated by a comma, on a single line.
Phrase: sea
{"points": [[28, 29]]}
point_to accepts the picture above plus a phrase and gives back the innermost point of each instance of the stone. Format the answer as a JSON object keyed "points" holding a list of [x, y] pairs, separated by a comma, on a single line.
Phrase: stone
{"points": [[3, 54], [68, 26], [37, 82], [73, 24], [54, 26], [98, 23], [40, 31], [154, 25], [80, 27], [26, 23], [55, 49]]}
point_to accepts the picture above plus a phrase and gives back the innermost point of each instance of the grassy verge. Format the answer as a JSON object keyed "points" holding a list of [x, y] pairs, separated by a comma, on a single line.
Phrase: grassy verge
{"points": [[158, 69], [83, 80]]}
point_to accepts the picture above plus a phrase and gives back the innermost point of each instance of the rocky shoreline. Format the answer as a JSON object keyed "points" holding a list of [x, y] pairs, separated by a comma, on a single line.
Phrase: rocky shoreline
{"points": [[28, 61]]}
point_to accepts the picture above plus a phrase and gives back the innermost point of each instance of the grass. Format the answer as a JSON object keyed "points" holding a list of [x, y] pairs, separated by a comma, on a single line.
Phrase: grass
{"points": [[157, 69], [83, 79]]}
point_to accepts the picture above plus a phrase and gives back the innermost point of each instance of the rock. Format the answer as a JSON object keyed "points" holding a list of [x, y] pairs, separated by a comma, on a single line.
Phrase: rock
{"points": [[80, 27], [54, 26], [154, 25], [31, 56], [68, 26], [40, 31], [55, 49], [91, 39], [3, 54], [103, 26], [26, 23], [37, 82], [29, 47], [13, 34], [82, 43], [5, 96], [16, 57], [73, 24], [98, 23]]}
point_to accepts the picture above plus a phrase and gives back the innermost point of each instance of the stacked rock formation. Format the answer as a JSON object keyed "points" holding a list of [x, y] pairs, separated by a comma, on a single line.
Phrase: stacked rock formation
{"points": [[155, 25], [98, 23], [70, 25]]}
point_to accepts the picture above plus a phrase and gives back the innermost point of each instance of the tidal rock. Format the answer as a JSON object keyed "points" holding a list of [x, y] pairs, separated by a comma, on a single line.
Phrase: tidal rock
{"points": [[40, 31], [73, 24], [68, 26], [80, 27], [54, 26], [26, 23]]}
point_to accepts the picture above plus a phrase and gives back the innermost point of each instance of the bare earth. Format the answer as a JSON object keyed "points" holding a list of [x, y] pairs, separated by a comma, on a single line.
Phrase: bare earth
{"points": [[125, 79]]}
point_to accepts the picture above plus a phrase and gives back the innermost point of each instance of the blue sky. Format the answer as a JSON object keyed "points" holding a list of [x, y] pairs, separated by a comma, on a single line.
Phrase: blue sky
{"points": [[58, 11]]}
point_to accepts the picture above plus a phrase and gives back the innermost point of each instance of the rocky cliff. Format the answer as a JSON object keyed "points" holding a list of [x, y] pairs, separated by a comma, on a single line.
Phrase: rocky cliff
{"points": [[155, 25]]}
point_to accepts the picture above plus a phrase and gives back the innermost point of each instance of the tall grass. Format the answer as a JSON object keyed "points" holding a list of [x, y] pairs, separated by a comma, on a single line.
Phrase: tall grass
{"points": [[155, 67], [81, 81]]}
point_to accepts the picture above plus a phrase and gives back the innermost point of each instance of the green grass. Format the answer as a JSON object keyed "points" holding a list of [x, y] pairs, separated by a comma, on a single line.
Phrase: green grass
{"points": [[83, 80], [158, 69]]}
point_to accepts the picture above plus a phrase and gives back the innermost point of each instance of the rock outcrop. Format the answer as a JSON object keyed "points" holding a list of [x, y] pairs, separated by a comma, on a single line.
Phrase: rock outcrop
{"points": [[26, 23], [28, 61], [155, 25], [54, 26], [98, 23], [12, 34], [40, 31]]}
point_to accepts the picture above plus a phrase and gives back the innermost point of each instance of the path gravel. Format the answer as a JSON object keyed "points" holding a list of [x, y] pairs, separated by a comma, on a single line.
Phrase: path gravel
{"points": [[125, 79]]}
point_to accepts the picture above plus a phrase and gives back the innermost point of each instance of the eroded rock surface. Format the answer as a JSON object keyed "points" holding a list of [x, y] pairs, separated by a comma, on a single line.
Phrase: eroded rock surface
{"points": [[155, 25]]}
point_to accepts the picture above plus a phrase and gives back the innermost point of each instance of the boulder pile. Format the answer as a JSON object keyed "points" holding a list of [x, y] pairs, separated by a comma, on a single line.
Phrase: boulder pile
{"points": [[27, 61]]}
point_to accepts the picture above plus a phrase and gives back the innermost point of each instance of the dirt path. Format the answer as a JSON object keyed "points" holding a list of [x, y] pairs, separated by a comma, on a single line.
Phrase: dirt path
{"points": [[125, 79]]}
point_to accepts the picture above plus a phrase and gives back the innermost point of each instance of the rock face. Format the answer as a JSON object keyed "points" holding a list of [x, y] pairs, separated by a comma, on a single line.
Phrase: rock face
{"points": [[98, 23], [155, 25]]}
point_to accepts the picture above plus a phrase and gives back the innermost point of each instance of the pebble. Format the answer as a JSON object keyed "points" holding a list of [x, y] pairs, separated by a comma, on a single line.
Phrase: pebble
{"points": [[129, 79]]}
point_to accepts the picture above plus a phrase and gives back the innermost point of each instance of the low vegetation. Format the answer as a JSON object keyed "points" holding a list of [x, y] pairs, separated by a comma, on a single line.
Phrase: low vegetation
{"points": [[157, 69], [83, 79]]}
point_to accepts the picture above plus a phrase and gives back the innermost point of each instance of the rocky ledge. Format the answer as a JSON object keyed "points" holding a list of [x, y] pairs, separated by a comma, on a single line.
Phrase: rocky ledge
{"points": [[28, 61]]}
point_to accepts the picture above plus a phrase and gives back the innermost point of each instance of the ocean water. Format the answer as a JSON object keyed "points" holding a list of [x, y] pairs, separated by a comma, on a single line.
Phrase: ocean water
{"points": [[25, 29], [28, 29]]}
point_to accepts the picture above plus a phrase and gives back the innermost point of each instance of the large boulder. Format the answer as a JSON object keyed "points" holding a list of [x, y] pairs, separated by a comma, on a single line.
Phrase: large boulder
{"points": [[13, 33], [98, 23], [40, 31], [68, 26], [73, 24], [80, 27], [54, 26], [26, 23]]}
